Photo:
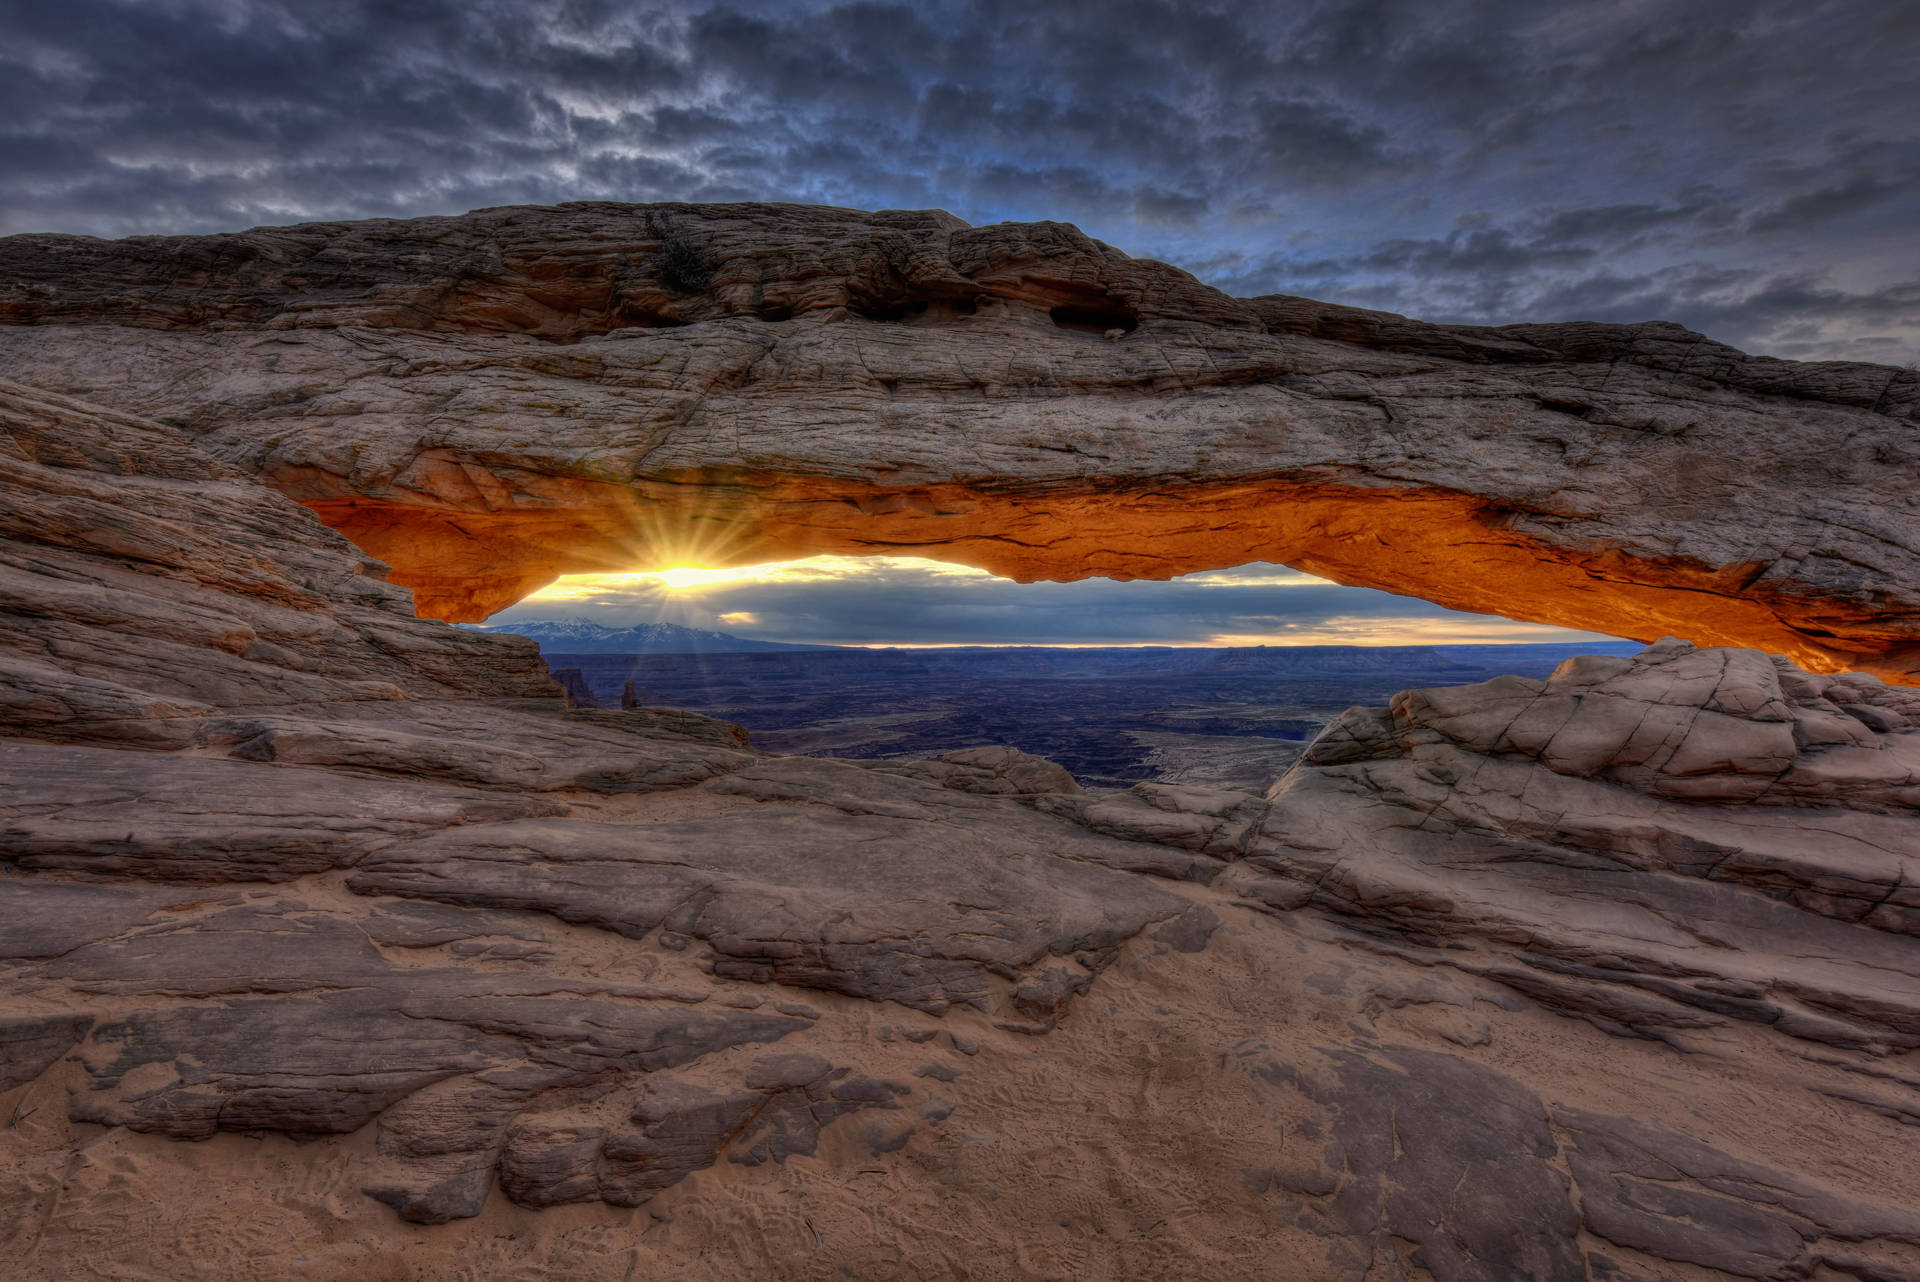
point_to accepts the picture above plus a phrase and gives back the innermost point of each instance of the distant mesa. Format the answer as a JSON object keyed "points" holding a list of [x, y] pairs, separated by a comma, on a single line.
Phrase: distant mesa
{"points": [[583, 636], [1111, 716], [614, 659]]}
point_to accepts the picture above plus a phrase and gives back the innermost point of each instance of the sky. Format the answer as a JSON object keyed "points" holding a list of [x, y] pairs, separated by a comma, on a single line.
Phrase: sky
{"points": [[909, 601], [1749, 168]]}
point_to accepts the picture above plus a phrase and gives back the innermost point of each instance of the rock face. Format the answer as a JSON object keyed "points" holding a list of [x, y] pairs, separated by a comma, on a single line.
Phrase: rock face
{"points": [[1627, 838], [488, 401], [336, 944]]}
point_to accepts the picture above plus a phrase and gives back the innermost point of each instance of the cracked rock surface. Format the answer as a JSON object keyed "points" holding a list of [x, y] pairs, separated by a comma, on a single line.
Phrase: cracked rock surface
{"points": [[488, 401], [335, 944]]}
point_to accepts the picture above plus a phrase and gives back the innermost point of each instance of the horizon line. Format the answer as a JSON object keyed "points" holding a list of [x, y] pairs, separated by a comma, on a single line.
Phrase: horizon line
{"points": [[1145, 645]]}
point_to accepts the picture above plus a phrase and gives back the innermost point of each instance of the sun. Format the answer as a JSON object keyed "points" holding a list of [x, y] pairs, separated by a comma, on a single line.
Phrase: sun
{"points": [[691, 580], [688, 578]]}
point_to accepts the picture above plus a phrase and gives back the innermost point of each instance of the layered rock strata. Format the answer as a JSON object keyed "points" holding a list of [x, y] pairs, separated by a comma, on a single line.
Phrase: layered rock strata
{"points": [[336, 945], [488, 401]]}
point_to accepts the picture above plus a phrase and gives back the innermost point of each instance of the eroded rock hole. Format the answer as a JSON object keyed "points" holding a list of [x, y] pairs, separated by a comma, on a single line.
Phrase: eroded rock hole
{"points": [[886, 310], [929, 311], [685, 265], [638, 318], [1095, 319]]}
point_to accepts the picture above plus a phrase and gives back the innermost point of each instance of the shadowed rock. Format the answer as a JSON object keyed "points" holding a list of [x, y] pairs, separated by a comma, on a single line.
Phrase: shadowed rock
{"points": [[1430, 1162], [1623, 839]]}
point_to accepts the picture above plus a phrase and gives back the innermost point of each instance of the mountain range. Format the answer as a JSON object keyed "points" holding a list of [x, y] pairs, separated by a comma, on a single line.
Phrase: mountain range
{"points": [[574, 637], [583, 636]]}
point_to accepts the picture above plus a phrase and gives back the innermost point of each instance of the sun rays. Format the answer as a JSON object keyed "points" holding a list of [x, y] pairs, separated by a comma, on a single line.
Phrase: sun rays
{"points": [[914, 602], [692, 578]]}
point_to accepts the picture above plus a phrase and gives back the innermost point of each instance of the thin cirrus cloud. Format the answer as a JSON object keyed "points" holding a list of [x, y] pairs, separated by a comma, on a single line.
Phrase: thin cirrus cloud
{"points": [[907, 601], [1747, 167]]}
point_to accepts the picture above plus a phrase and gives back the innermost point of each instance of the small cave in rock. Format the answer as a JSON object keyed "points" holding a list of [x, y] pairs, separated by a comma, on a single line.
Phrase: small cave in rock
{"points": [[637, 318], [1096, 318], [886, 310], [685, 265], [907, 310]]}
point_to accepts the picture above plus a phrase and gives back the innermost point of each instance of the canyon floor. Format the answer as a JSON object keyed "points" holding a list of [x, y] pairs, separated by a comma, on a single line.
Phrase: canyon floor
{"points": [[1113, 717]]}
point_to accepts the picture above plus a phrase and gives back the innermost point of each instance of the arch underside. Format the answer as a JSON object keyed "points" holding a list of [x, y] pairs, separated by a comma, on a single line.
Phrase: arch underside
{"points": [[1457, 550]]}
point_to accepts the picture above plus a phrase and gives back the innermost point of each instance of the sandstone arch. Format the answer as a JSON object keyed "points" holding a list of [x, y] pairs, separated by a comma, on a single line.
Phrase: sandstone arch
{"points": [[489, 401], [284, 862]]}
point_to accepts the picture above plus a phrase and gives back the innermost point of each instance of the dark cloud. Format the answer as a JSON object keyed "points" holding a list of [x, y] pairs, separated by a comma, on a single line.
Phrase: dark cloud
{"points": [[1825, 206], [1625, 224], [1470, 160]]}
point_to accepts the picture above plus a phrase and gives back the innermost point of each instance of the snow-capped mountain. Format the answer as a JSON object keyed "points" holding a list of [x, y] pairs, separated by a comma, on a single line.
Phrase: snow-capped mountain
{"points": [[583, 636]]}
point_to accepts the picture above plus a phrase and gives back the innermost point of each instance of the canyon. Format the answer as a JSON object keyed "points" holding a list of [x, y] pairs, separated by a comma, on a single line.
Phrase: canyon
{"points": [[1232, 716], [338, 944]]}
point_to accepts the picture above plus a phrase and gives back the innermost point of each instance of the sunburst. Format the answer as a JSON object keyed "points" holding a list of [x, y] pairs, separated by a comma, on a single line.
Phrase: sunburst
{"points": [[692, 577]]}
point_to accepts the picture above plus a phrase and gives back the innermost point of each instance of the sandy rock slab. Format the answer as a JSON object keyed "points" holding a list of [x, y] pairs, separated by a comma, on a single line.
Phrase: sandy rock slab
{"points": [[242, 1012], [788, 896], [1427, 1163]]}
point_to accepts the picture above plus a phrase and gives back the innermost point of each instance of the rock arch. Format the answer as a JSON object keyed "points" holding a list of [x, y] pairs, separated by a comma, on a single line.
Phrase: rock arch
{"points": [[486, 402]]}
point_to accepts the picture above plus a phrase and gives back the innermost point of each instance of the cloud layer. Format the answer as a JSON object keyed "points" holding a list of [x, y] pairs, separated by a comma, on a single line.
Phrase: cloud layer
{"points": [[1748, 167], [907, 601]]}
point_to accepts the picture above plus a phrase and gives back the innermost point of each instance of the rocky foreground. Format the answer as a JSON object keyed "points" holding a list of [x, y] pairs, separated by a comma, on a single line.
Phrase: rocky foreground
{"points": [[337, 945], [488, 401]]}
